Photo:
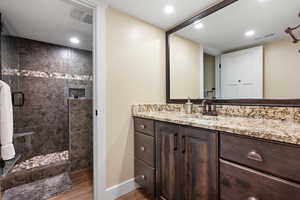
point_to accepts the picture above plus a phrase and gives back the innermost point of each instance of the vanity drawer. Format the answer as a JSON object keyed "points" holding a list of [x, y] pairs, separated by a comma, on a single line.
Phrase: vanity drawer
{"points": [[241, 183], [144, 125], [144, 176], [144, 148], [277, 159]]}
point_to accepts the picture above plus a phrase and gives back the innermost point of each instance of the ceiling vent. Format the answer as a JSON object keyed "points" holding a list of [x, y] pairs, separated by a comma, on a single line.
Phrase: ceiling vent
{"points": [[82, 16], [265, 36], [269, 35]]}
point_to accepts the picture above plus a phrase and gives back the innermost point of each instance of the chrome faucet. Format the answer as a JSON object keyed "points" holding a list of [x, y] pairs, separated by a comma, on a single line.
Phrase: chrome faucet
{"points": [[205, 107], [204, 102], [208, 108]]}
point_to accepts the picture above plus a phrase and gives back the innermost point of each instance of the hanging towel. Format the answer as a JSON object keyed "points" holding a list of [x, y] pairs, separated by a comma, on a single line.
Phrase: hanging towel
{"points": [[6, 123]]}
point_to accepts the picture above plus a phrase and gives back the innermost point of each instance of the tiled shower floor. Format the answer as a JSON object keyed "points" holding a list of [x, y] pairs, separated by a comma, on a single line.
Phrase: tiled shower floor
{"points": [[40, 161]]}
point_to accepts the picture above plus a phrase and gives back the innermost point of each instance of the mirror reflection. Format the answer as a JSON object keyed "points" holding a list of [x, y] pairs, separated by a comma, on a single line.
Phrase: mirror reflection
{"points": [[242, 51]]}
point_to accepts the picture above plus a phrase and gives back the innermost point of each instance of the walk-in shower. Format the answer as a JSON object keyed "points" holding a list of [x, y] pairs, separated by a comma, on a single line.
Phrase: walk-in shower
{"points": [[51, 88]]}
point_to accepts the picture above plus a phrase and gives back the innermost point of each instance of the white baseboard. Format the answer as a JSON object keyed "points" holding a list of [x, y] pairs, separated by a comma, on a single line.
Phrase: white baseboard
{"points": [[121, 189]]}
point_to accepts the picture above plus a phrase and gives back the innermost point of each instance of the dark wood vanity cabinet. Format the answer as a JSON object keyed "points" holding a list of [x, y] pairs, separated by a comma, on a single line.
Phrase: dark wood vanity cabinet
{"points": [[199, 164], [241, 183], [168, 166], [186, 161], [144, 154], [254, 169], [281, 160], [177, 162]]}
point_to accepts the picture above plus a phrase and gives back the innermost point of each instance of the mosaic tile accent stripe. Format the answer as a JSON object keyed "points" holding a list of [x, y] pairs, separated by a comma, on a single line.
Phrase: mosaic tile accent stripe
{"points": [[52, 75]]}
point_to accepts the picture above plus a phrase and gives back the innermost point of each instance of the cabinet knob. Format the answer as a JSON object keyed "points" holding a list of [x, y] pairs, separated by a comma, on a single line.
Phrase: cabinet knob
{"points": [[142, 126], [142, 149], [253, 155], [143, 178], [252, 198]]}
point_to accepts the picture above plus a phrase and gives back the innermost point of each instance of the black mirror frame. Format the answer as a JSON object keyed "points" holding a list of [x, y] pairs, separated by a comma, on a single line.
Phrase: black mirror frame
{"points": [[237, 102]]}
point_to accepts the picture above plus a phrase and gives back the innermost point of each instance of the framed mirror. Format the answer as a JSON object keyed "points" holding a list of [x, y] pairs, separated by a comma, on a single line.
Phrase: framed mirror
{"points": [[237, 52]]}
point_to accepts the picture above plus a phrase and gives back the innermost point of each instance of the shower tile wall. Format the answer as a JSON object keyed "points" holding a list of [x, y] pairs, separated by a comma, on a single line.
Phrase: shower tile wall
{"points": [[9, 60], [45, 72], [81, 137]]}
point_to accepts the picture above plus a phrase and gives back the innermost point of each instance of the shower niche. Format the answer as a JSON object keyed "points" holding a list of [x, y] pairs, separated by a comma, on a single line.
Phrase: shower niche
{"points": [[77, 93]]}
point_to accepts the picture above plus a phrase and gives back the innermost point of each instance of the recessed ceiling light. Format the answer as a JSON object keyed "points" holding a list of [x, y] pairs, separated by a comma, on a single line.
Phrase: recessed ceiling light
{"points": [[249, 33], [169, 9], [198, 25], [262, 1], [74, 40]]}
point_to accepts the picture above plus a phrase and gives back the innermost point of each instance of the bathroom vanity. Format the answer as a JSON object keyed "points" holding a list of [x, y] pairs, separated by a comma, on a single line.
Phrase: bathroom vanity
{"points": [[179, 156], [235, 54]]}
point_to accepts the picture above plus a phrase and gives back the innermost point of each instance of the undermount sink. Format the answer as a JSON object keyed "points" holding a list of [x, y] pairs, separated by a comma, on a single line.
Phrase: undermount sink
{"points": [[202, 117]]}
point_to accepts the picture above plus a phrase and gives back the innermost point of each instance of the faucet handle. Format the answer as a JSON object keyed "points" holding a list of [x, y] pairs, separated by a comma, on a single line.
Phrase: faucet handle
{"points": [[213, 107]]}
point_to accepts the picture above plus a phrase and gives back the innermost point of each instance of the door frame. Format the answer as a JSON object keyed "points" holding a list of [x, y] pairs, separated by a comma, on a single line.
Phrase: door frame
{"points": [[99, 96]]}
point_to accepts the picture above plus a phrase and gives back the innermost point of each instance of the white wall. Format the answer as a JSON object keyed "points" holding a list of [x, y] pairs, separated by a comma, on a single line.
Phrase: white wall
{"points": [[281, 69], [186, 68], [135, 74]]}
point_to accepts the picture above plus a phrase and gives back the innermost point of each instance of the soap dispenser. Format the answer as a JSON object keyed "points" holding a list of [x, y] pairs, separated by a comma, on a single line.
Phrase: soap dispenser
{"points": [[188, 106]]}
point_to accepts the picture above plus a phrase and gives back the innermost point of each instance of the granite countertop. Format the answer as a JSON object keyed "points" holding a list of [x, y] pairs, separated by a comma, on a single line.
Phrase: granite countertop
{"points": [[276, 130]]}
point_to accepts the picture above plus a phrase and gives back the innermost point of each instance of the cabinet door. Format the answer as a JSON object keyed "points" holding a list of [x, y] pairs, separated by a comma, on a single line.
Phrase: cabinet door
{"points": [[199, 160], [167, 136]]}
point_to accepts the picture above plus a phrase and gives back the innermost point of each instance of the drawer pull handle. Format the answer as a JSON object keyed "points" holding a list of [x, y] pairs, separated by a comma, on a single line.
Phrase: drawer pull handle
{"points": [[252, 198], [183, 144], [253, 155], [142, 149], [142, 126], [175, 142], [143, 177]]}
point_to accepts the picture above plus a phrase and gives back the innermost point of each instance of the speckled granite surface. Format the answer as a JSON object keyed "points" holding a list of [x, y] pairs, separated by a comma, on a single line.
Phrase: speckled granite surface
{"points": [[256, 112], [271, 123]]}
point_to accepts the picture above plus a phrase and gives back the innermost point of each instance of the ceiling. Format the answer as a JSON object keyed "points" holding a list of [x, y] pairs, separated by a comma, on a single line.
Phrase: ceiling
{"points": [[52, 21], [225, 29], [55, 21], [152, 11]]}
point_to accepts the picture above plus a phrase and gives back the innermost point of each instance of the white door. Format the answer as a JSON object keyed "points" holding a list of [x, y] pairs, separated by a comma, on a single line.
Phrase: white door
{"points": [[242, 74]]}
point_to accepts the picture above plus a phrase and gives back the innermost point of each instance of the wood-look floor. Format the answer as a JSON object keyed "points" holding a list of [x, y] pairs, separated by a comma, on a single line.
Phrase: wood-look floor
{"points": [[82, 190], [135, 195]]}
